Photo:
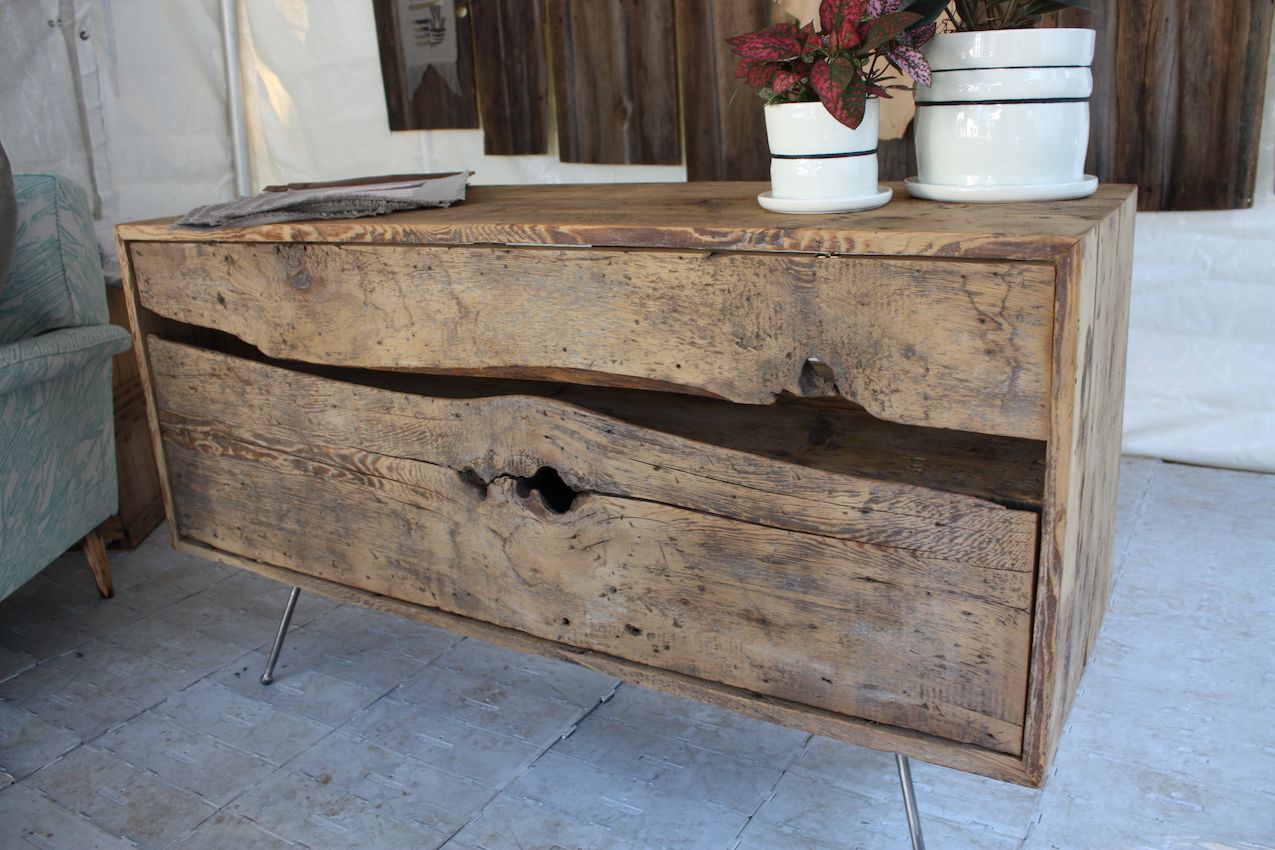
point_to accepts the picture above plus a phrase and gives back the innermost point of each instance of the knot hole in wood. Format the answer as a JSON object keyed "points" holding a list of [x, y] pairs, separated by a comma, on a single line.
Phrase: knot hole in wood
{"points": [[556, 494]]}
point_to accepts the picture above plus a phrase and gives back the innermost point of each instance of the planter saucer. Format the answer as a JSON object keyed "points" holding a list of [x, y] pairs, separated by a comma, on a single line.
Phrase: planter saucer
{"points": [[1002, 194], [802, 206]]}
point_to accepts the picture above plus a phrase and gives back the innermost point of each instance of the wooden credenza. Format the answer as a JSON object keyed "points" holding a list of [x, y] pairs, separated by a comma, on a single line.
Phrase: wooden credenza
{"points": [[853, 474]]}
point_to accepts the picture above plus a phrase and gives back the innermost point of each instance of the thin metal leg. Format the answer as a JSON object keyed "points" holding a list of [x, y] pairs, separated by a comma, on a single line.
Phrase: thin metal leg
{"points": [[268, 676], [909, 802]]}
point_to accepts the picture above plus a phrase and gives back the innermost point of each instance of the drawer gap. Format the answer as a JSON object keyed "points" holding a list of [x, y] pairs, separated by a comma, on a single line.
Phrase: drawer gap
{"points": [[830, 433]]}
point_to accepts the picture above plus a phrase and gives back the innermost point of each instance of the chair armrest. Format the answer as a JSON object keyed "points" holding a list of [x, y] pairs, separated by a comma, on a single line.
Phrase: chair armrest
{"points": [[41, 358]]}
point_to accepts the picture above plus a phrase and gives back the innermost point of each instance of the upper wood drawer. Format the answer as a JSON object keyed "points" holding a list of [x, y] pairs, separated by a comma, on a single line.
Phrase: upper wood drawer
{"points": [[948, 344]]}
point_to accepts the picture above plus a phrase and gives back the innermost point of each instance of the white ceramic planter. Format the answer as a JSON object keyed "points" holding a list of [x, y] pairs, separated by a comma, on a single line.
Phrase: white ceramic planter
{"points": [[814, 157], [1008, 114]]}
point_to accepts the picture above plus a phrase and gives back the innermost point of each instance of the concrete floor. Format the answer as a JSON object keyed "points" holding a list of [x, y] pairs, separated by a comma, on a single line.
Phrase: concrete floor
{"points": [[139, 721]]}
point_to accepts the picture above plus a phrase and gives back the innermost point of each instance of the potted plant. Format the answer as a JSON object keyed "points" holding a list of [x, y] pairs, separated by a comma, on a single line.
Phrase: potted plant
{"points": [[821, 88], [1007, 115]]}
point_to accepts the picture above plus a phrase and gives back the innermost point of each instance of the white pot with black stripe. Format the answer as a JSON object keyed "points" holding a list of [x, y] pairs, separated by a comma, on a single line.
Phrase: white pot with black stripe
{"points": [[818, 164], [1007, 116]]}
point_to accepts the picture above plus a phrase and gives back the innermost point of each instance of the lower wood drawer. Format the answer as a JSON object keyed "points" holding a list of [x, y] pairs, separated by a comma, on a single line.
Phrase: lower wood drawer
{"points": [[809, 554]]}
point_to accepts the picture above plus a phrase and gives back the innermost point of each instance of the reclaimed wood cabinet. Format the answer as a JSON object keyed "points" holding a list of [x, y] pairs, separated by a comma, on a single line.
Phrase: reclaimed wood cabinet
{"points": [[852, 474]]}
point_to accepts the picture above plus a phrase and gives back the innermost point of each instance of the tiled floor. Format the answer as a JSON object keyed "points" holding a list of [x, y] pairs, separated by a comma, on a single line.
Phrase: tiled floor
{"points": [[139, 722]]}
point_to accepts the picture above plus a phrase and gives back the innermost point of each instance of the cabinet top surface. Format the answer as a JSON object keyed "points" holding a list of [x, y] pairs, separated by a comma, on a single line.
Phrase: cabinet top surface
{"points": [[695, 216]]}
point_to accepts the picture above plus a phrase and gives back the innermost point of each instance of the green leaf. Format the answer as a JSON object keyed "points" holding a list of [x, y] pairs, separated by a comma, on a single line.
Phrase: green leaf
{"points": [[842, 91], [886, 28]]}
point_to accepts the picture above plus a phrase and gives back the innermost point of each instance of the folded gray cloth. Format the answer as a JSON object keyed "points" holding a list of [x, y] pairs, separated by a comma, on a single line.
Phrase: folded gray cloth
{"points": [[348, 199]]}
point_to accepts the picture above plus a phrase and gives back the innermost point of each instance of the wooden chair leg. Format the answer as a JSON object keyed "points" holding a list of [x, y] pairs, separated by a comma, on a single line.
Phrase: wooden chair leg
{"points": [[95, 552]]}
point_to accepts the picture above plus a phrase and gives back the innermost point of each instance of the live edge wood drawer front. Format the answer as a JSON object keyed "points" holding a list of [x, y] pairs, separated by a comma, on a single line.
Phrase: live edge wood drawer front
{"points": [[854, 474], [673, 318], [884, 601]]}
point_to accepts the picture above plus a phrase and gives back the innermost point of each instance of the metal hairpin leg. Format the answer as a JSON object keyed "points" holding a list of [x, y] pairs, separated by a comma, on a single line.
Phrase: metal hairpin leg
{"points": [[909, 802], [268, 676]]}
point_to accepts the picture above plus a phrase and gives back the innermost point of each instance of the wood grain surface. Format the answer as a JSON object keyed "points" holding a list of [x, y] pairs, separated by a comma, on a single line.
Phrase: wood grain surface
{"points": [[651, 561], [722, 118], [141, 506], [1083, 468], [513, 75], [707, 216], [615, 81], [791, 512], [432, 103], [1178, 94], [967, 757], [738, 326]]}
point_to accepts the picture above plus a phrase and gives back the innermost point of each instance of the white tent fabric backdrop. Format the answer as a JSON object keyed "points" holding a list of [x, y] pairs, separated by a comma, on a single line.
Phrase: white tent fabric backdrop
{"points": [[129, 99]]}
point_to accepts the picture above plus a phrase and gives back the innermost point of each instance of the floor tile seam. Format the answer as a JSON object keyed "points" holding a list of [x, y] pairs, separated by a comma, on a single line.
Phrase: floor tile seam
{"points": [[265, 703], [17, 673], [151, 773], [797, 753], [532, 763], [508, 686], [139, 655], [226, 810], [567, 730], [1163, 618], [1168, 828], [328, 790], [693, 744], [211, 736], [33, 716], [341, 730], [1176, 774], [1121, 558], [189, 728], [200, 633], [504, 687], [281, 679], [74, 813]]}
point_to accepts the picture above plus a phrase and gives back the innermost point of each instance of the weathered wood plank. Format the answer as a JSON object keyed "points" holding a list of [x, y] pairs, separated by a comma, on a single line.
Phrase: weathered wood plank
{"points": [[672, 318], [792, 471], [619, 570], [513, 75], [433, 103], [141, 507], [615, 81], [697, 216], [722, 119], [817, 721], [1178, 94], [1078, 525]]}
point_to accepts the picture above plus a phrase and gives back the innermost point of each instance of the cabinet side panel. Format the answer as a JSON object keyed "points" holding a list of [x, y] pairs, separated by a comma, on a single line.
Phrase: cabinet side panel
{"points": [[1083, 458]]}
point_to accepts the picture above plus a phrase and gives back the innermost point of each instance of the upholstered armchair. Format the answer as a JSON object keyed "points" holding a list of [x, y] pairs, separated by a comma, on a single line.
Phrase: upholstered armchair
{"points": [[57, 438]]}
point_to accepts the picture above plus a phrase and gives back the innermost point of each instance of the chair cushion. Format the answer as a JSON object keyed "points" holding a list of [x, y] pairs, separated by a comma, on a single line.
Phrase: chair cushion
{"points": [[55, 277]]}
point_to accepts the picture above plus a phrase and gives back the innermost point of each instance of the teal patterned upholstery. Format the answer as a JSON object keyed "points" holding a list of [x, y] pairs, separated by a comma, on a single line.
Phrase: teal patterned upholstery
{"points": [[57, 432]]}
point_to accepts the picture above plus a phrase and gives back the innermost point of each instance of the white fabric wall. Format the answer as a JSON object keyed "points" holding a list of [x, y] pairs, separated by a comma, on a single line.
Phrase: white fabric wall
{"points": [[1201, 385], [39, 108], [135, 110], [153, 139], [316, 108]]}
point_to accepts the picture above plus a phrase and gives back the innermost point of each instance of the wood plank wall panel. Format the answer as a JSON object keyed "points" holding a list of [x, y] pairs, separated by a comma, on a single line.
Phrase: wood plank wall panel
{"points": [[1178, 94], [896, 158], [723, 119], [615, 81], [432, 105], [513, 75]]}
